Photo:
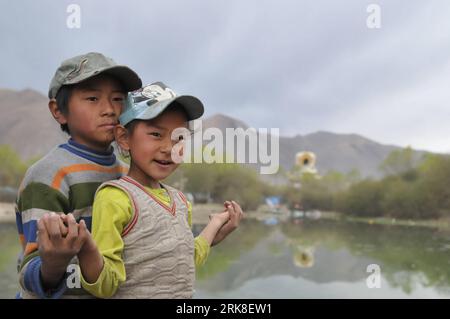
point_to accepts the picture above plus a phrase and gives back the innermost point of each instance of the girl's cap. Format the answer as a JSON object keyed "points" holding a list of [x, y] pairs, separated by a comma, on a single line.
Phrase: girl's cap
{"points": [[151, 100]]}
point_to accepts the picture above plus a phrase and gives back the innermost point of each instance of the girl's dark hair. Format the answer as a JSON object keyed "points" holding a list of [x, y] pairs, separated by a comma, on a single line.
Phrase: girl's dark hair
{"points": [[62, 102], [174, 106]]}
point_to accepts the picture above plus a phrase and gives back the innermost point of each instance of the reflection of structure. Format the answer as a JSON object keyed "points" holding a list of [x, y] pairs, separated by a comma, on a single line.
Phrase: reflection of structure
{"points": [[303, 256], [305, 162], [255, 263]]}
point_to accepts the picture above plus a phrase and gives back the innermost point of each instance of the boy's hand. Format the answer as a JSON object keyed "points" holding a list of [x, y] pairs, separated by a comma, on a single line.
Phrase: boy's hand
{"points": [[84, 235], [236, 215], [58, 244]]}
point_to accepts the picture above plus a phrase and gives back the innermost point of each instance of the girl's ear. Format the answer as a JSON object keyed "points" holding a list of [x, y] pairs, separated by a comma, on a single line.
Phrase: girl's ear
{"points": [[57, 114], [122, 137]]}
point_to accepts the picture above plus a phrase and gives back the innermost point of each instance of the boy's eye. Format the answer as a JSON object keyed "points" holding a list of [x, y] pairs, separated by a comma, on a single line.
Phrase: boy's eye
{"points": [[92, 98], [155, 134], [118, 99]]}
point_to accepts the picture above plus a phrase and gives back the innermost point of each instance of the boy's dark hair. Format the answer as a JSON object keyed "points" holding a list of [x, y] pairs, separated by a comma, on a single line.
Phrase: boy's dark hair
{"points": [[62, 101]]}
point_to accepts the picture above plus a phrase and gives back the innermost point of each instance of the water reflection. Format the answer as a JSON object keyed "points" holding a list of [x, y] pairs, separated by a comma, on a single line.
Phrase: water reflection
{"points": [[9, 250], [327, 259], [305, 259]]}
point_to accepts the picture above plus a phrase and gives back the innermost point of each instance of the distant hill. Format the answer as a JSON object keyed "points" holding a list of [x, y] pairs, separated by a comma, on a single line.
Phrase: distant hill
{"points": [[337, 152], [28, 127]]}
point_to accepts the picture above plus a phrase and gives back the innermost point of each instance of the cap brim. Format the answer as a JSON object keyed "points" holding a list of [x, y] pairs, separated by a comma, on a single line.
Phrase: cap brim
{"points": [[192, 106], [127, 77]]}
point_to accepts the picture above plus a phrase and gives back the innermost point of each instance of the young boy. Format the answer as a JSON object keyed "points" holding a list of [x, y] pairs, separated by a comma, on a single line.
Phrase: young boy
{"points": [[140, 225], [86, 98]]}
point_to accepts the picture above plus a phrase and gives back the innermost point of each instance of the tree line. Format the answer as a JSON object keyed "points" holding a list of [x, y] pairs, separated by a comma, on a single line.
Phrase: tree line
{"points": [[410, 189]]}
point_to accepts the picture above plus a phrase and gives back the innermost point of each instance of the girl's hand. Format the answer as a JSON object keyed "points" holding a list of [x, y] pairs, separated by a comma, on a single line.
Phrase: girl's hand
{"points": [[220, 218], [236, 215]]}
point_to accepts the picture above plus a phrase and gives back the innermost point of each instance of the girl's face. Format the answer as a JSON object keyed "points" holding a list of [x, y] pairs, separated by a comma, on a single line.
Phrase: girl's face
{"points": [[150, 145]]}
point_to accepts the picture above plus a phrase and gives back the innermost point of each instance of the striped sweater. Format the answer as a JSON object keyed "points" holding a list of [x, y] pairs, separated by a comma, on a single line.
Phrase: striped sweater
{"points": [[64, 181]]}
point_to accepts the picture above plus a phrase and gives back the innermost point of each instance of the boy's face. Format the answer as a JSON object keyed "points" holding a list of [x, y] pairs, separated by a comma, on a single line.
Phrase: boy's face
{"points": [[94, 108], [150, 146]]}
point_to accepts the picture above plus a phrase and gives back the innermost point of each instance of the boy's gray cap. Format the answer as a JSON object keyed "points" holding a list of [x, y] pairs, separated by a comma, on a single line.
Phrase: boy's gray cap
{"points": [[151, 100], [83, 67]]}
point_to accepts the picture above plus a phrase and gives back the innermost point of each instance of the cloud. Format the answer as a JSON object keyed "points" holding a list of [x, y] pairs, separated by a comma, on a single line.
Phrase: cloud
{"points": [[301, 66]]}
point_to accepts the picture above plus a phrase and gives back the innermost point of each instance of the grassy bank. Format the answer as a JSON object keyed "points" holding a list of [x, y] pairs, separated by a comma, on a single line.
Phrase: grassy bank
{"points": [[201, 214], [442, 223]]}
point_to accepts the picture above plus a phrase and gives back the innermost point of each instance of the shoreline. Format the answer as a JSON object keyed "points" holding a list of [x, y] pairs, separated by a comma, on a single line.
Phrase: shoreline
{"points": [[7, 213], [443, 223], [201, 214]]}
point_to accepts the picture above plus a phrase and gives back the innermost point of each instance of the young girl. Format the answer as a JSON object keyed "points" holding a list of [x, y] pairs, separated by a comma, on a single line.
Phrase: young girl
{"points": [[142, 244]]}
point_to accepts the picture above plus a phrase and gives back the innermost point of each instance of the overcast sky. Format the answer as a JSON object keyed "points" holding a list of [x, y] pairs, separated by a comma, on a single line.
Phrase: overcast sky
{"points": [[301, 66]]}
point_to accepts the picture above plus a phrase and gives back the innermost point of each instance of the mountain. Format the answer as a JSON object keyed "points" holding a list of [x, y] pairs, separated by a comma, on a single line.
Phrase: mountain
{"points": [[28, 127], [222, 122], [27, 124], [334, 152], [338, 152]]}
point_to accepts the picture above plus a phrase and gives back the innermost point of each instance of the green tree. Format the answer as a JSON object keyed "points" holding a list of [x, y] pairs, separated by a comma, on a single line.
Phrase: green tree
{"points": [[223, 182], [434, 175], [12, 167], [398, 162], [362, 199]]}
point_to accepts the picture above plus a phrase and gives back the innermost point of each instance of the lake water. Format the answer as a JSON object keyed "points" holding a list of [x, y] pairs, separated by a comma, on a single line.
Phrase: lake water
{"points": [[307, 259]]}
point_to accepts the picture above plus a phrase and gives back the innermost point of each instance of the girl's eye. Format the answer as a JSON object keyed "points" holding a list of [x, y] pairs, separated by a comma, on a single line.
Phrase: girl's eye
{"points": [[118, 99], [92, 98], [183, 137]]}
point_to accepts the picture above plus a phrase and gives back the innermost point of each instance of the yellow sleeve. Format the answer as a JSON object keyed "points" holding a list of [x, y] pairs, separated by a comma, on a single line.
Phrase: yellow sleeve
{"points": [[111, 212], [202, 247]]}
